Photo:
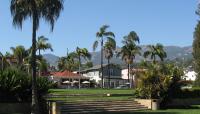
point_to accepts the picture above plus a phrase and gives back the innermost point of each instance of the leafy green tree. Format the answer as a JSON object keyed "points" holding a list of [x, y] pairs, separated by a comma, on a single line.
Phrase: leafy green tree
{"points": [[196, 52], [61, 63], [130, 49], [72, 62], [69, 62], [102, 35], [47, 10], [160, 81], [109, 48], [89, 64], [82, 53], [42, 65], [154, 51], [4, 61], [20, 53], [42, 44]]}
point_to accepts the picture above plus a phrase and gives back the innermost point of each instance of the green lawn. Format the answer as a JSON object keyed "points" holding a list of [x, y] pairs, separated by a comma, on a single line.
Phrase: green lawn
{"points": [[191, 110], [91, 91], [86, 98], [116, 94]]}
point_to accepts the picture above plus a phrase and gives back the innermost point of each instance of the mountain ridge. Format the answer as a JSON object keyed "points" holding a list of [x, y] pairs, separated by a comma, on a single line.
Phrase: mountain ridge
{"points": [[173, 53]]}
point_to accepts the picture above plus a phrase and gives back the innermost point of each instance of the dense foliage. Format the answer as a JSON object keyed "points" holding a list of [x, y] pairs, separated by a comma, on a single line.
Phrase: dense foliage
{"points": [[159, 81], [15, 85], [196, 52]]}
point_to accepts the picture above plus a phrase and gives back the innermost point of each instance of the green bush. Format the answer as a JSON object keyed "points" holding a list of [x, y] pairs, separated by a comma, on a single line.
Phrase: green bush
{"points": [[15, 85], [160, 81]]}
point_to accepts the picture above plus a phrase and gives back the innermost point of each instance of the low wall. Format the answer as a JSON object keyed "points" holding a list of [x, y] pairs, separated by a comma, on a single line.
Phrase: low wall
{"points": [[145, 102], [9, 108]]}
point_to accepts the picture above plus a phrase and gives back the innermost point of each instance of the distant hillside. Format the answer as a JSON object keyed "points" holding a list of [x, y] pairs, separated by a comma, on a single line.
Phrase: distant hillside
{"points": [[173, 53], [51, 59]]}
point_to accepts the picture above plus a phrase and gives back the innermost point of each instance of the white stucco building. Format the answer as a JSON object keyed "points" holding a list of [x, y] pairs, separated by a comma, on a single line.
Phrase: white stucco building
{"points": [[94, 73], [190, 75]]}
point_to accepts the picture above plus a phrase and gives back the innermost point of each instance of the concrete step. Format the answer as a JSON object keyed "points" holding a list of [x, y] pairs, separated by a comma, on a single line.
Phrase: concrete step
{"points": [[99, 106], [111, 103], [118, 106], [105, 102], [98, 111]]}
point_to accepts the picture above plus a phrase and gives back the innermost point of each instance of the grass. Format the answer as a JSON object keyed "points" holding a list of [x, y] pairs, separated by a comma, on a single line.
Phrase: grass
{"points": [[190, 110], [124, 94], [86, 98], [91, 91]]}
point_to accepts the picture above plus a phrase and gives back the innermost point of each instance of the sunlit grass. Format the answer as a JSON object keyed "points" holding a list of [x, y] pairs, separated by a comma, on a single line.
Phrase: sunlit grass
{"points": [[91, 91]]}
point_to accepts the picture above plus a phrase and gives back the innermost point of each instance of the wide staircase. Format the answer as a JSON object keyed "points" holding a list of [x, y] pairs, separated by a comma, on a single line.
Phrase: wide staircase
{"points": [[91, 107]]}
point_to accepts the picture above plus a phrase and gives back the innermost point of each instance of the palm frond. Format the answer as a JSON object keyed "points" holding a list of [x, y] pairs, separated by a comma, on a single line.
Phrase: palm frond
{"points": [[95, 44], [109, 34], [133, 37], [146, 54]]}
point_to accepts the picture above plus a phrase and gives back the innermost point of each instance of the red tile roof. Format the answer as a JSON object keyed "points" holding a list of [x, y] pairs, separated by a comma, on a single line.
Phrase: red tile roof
{"points": [[64, 73]]}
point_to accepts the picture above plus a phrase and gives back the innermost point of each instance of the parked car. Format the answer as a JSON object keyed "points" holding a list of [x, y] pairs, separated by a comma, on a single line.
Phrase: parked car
{"points": [[122, 87]]}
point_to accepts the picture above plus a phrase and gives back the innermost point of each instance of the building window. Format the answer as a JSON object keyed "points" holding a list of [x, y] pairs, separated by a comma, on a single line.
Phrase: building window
{"points": [[111, 72]]}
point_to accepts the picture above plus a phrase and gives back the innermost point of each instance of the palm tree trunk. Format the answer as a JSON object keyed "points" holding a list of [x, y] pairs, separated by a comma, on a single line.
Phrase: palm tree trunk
{"points": [[128, 73], [129, 68], [35, 105], [109, 73], [39, 51], [154, 59], [102, 77], [79, 67]]}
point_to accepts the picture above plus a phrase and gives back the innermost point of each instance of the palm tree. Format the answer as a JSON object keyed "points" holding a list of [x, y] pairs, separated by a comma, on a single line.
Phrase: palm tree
{"points": [[42, 65], [47, 10], [42, 44], [82, 53], [109, 48], [131, 38], [130, 50], [154, 51], [61, 63], [101, 36], [71, 61], [19, 52]]}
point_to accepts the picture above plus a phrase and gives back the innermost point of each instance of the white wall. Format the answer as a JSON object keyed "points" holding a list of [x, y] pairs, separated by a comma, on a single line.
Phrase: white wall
{"points": [[125, 74], [190, 75], [93, 75]]}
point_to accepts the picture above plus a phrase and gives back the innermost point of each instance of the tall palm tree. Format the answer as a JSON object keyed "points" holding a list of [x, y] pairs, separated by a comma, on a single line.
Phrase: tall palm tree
{"points": [[129, 51], [109, 48], [42, 44], [101, 35], [48, 10], [20, 53], [82, 53], [154, 51]]}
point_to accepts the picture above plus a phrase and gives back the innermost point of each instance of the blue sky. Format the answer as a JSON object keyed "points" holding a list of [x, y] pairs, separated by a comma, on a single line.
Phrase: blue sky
{"points": [[170, 22]]}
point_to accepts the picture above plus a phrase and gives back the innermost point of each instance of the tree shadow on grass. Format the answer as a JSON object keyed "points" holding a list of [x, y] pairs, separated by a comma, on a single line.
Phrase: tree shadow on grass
{"points": [[139, 112], [185, 107]]}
